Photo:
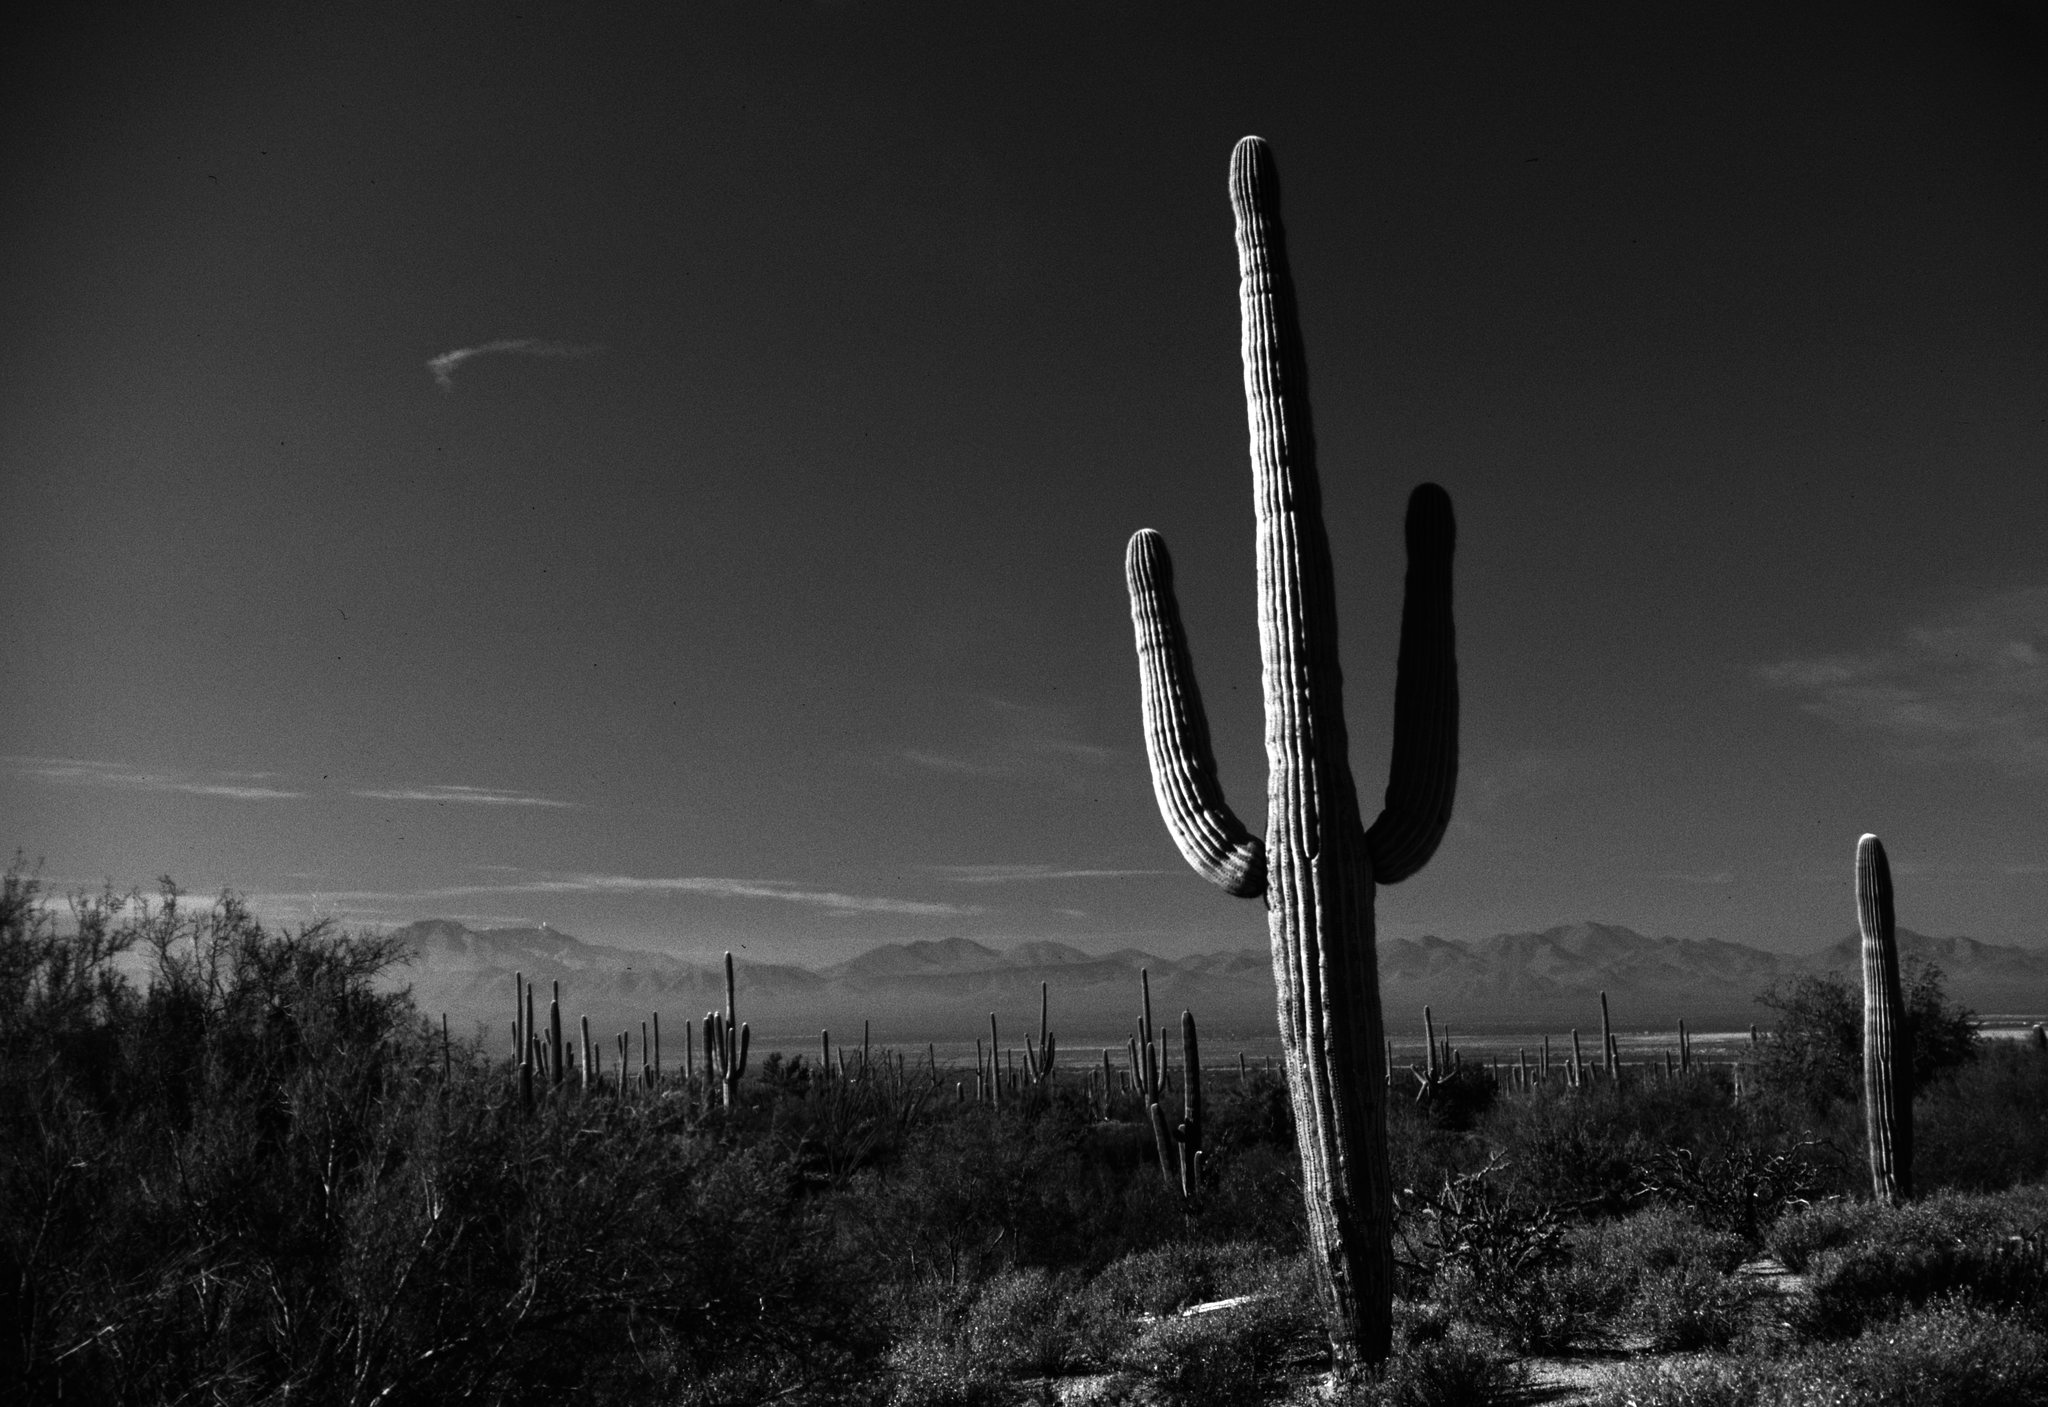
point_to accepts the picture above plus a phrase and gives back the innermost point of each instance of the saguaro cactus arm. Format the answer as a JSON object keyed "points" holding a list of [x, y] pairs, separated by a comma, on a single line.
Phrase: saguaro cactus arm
{"points": [[1423, 776], [1887, 1068], [1184, 780]]}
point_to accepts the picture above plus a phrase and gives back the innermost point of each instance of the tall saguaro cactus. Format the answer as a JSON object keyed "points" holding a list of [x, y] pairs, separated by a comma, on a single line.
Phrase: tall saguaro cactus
{"points": [[1887, 1066], [1319, 862]]}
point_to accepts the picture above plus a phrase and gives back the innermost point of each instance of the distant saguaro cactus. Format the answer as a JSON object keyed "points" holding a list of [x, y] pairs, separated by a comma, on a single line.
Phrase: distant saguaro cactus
{"points": [[1319, 863], [725, 1048], [1887, 1063], [1187, 1134]]}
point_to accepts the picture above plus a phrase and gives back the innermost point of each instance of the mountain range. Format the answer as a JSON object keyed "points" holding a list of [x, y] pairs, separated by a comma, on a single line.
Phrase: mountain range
{"points": [[945, 989]]}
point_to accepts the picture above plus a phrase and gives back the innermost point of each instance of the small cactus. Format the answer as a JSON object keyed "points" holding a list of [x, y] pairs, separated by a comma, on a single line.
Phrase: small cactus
{"points": [[1887, 1064]]}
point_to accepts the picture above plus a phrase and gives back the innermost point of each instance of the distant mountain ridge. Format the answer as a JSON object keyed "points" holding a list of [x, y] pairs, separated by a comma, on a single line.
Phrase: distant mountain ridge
{"points": [[946, 988]]}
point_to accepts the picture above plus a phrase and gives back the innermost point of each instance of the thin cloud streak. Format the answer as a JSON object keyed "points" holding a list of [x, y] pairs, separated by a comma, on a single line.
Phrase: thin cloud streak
{"points": [[832, 901], [1969, 686], [443, 367], [1009, 874], [462, 796], [73, 772]]}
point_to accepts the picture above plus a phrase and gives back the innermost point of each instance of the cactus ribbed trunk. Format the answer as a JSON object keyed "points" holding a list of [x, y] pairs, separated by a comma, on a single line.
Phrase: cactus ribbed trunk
{"points": [[1887, 1066], [1319, 863]]}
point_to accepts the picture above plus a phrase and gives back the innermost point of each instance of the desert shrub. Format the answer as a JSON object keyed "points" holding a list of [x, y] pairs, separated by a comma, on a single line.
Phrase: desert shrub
{"points": [[1668, 1276], [1457, 1098], [931, 1366], [1016, 1325], [1253, 1193], [1945, 1357], [1690, 1307], [979, 1190], [1497, 1262], [255, 1180], [1454, 1369], [1226, 1357], [1700, 1381], [1990, 1251], [1801, 1233], [1739, 1188], [1159, 1283], [1028, 1323], [1815, 1054], [1585, 1150], [1984, 1126]]}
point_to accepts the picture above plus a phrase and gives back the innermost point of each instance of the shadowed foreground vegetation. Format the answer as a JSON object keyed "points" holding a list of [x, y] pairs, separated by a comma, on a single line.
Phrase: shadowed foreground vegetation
{"points": [[253, 1177]]}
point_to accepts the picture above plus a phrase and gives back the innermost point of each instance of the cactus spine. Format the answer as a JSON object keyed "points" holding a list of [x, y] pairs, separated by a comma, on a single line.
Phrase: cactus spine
{"points": [[1887, 1067], [1319, 863]]}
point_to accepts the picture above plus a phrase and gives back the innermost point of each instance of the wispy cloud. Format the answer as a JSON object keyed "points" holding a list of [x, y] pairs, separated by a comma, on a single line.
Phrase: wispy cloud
{"points": [[1970, 685], [1011, 874], [724, 888], [443, 366], [228, 786], [461, 796], [579, 883], [1008, 739]]}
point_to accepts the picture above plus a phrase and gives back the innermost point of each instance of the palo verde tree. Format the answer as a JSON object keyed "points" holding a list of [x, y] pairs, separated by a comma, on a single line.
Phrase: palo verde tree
{"points": [[1319, 862]]}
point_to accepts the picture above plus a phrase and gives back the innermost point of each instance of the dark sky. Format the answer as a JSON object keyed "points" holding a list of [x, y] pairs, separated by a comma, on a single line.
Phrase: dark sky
{"points": [[757, 581]]}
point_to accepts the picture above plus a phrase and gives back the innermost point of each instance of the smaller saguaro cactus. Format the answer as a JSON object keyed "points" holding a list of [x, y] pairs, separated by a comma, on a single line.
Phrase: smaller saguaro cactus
{"points": [[526, 1045], [1608, 1050], [1152, 1084], [725, 1041], [1436, 1060], [556, 1070], [995, 1065], [1038, 1058], [589, 1070], [1887, 1064], [1187, 1135]]}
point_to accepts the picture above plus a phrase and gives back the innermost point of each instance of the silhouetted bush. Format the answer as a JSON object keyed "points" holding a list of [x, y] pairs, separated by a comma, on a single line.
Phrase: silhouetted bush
{"points": [[1815, 1052]]}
